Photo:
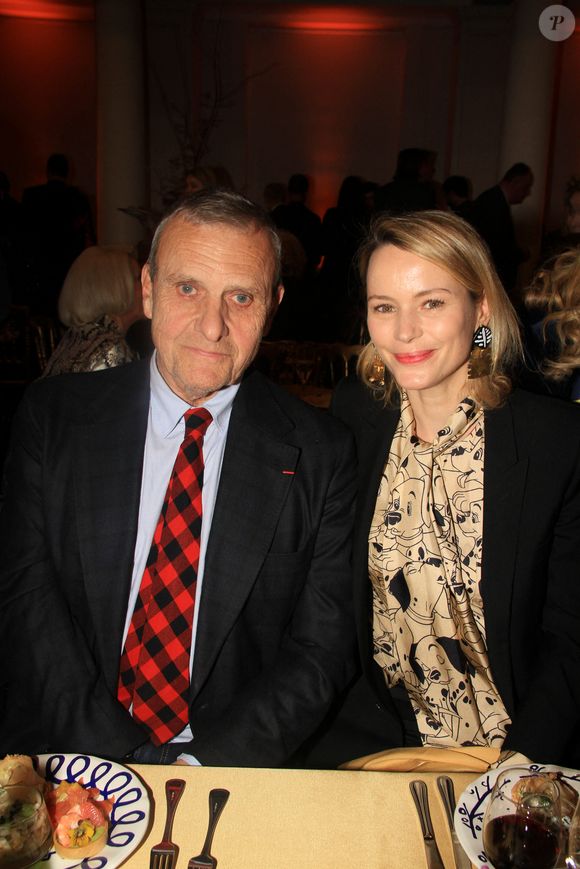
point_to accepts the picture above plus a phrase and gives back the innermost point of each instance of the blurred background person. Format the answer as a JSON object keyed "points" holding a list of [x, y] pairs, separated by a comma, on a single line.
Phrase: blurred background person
{"points": [[56, 226], [294, 216], [202, 177], [198, 178], [413, 187], [491, 216], [568, 235], [343, 228], [572, 202], [553, 338], [458, 192], [274, 195], [100, 299]]}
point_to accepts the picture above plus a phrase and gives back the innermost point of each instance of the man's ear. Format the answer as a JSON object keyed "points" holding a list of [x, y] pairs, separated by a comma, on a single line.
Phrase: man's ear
{"points": [[278, 296], [147, 286]]}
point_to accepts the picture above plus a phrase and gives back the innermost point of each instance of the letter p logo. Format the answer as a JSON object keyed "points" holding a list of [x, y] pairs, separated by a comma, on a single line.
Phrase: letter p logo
{"points": [[557, 23]]}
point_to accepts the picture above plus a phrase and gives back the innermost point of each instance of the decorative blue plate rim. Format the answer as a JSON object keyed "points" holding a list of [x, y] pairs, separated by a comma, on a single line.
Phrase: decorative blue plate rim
{"points": [[129, 819], [471, 805]]}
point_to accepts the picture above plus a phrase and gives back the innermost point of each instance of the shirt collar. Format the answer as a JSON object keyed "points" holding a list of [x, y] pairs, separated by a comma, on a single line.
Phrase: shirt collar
{"points": [[167, 408]]}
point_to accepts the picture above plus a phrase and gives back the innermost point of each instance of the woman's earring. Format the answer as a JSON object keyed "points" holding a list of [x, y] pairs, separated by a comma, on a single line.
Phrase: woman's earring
{"points": [[479, 364], [377, 371]]}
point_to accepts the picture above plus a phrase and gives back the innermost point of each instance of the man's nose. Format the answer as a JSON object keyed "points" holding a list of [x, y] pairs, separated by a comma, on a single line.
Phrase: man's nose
{"points": [[212, 321]]}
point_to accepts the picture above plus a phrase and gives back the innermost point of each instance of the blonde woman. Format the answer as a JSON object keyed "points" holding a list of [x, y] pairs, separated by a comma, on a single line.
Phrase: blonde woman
{"points": [[554, 295], [466, 564], [100, 299]]}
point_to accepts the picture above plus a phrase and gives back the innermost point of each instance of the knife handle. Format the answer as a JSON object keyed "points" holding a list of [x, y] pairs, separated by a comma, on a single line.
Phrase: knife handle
{"points": [[421, 798], [445, 785]]}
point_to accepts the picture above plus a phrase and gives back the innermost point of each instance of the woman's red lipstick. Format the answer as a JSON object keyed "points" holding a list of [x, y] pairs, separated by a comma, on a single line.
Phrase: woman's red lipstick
{"points": [[412, 358]]}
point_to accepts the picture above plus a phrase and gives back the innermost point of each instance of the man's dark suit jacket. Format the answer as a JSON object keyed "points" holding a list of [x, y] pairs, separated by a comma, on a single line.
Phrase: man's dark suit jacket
{"points": [[275, 632], [491, 216], [530, 580]]}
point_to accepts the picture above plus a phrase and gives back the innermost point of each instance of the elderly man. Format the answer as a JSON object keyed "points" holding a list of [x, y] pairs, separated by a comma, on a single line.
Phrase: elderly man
{"points": [[175, 534]]}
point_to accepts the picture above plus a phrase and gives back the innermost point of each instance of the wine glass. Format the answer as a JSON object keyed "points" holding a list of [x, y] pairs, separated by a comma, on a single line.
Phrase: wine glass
{"points": [[573, 847], [522, 823], [25, 829], [304, 363]]}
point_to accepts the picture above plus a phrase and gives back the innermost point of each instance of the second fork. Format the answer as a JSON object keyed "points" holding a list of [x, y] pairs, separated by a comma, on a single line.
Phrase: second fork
{"points": [[218, 797]]}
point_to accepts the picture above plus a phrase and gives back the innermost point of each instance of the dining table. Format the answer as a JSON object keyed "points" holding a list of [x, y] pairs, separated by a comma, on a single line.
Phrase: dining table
{"points": [[298, 819]]}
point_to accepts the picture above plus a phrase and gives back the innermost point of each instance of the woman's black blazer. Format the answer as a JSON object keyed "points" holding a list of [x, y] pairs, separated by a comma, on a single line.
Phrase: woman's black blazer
{"points": [[530, 582]]}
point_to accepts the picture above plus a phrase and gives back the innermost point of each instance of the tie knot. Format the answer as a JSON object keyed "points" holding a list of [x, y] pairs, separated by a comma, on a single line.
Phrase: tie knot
{"points": [[196, 422]]}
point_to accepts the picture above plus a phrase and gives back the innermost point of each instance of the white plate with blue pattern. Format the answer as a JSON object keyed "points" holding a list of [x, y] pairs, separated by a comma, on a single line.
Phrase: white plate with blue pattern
{"points": [[129, 819], [472, 804]]}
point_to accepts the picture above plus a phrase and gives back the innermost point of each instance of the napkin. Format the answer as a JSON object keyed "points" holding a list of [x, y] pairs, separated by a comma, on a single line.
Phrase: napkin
{"points": [[427, 759]]}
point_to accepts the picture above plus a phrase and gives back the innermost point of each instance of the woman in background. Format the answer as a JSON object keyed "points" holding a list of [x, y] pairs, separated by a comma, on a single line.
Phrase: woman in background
{"points": [[467, 577], [554, 339], [568, 235], [100, 299]]}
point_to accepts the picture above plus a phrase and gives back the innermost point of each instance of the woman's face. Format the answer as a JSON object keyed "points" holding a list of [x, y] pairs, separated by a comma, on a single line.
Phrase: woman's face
{"points": [[421, 320], [573, 213], [192, 184]]}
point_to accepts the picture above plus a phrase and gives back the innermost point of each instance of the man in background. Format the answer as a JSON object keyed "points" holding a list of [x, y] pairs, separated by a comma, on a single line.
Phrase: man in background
{"points": [[294, 216], [56, 228], [491, 216]]}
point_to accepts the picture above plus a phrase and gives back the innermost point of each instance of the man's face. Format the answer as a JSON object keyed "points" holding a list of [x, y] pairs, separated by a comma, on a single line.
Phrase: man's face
{"points": [[521, 187], [209, 304], [573, 213]]}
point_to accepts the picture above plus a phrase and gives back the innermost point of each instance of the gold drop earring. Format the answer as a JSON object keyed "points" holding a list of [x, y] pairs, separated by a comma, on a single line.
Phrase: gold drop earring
{"points": [[479, 364], [377, 370]]}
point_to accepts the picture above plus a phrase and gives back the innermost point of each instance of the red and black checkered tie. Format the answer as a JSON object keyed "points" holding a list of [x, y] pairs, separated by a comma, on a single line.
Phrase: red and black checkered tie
{"points": [[154, 670]]}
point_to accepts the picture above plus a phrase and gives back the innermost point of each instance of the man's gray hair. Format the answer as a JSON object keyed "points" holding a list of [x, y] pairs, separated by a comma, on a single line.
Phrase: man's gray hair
{"points": [[214, 206]]}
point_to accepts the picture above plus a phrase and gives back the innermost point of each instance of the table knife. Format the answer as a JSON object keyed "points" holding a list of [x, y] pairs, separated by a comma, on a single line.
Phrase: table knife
{"points": [[421, 798], [445, 785]]}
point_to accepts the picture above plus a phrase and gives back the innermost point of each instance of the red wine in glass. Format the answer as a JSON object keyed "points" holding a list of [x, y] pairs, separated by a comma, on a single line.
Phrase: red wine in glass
{"points": [[520, 842]]}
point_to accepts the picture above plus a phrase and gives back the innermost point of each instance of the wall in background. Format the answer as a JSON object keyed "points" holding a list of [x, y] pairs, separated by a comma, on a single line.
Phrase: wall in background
{"points": [[47, 99], [327, 90], [332, 92]]}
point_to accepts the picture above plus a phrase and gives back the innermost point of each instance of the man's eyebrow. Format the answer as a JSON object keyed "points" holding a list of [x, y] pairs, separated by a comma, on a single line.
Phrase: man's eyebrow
{"points": [[180, 278], [176, 278]]}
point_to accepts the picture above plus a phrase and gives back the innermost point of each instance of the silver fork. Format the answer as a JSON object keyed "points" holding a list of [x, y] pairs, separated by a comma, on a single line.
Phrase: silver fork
{"points": [[218, 797], [164, 854]]}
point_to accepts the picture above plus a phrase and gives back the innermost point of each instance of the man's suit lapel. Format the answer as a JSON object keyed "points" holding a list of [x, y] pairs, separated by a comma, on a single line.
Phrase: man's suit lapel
{"points": [[108, 470], [504, 481], [256, 476]]}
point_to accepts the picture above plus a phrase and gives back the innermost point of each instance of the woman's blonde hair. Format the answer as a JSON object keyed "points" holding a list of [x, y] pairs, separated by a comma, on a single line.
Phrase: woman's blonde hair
{"points": [[556, 290], [452, 244], [100, 281]]}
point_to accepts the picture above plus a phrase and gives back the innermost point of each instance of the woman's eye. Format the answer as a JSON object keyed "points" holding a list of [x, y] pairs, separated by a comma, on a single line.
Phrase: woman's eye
{"points": [[382, 308], [430, 304]]}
